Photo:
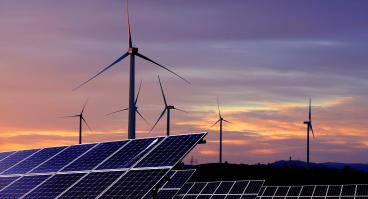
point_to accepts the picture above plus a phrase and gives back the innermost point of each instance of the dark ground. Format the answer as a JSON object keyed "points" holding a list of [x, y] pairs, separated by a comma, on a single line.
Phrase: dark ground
{"points": [[283, 175]]}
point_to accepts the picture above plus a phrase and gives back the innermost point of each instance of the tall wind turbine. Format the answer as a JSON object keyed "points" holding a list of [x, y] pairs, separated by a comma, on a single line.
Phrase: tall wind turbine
{"points": [[81, 121], [221, 119], [167, 110], [309, 128], [135, 104], [132, 52]]}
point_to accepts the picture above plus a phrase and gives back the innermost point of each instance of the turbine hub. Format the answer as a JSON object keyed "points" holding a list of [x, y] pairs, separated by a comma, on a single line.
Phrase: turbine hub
{"points": [[133, 50]]}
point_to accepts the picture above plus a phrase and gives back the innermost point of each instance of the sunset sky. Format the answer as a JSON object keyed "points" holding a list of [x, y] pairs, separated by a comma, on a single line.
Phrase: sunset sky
{"points": [[263, 59]]}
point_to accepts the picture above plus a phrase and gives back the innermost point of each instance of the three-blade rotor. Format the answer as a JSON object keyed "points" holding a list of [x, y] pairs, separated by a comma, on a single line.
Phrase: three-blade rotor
{"points": [[167, 107]]}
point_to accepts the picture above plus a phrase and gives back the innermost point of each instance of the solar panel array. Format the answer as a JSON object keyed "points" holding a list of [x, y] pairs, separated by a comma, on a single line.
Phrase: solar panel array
{"points": [[359, 191], [220, 190], [169, 186], [120, 169]]}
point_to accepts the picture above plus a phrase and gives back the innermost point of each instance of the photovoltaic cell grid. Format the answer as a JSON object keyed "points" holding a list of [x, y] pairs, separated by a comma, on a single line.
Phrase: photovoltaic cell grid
{"points": [[170, 185], [98, 170], [224, 189], [315, 191]]}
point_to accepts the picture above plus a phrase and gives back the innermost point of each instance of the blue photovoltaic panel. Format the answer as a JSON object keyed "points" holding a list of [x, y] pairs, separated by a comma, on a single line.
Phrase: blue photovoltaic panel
{"points": [[3, 155], [179, 178], [239, 187], [92, 185], [166, 194], [62, 159], [135, 184], [33, 161], [224, 188], [128, 155], [171, 150], [15, 158], [5, 181], [54, 186], [95, 156], [22, 186]]}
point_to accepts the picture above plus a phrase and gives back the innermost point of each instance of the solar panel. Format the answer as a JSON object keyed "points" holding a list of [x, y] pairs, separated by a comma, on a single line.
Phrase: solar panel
{"points": [[129, 154], [5, 181], [319, 192], [92, 185], [54, 186], [34, 160], [15, 158], [62, 159], [170, 150], [21, 186], [3, 155], [95, 156], [239, 187], [70, 171], [225, 189], [178, 179], [135, 184]]}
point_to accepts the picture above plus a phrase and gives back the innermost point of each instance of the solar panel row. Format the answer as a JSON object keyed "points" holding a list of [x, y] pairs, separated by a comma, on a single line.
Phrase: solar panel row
{"points": [[224, 189], [99, 156], [101, 170], [314, 191]]}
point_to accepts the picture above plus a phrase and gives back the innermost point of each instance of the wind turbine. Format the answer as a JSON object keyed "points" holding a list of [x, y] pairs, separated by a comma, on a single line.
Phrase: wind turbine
{"points": [[221, 119], [309, 128], [167, 110], [81, 121], [135, 104], [132, 52]]}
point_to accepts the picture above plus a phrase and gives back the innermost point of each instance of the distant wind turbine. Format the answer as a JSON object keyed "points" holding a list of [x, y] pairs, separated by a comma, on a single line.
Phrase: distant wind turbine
{"points": [[81, 121], [135, 104], [132, 52], [309, 128], [167, 110], [221, 119]]}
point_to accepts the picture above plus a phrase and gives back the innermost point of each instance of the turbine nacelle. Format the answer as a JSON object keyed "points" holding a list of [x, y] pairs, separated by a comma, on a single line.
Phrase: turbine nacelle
{"points": [[132, 51], [170, 107]]}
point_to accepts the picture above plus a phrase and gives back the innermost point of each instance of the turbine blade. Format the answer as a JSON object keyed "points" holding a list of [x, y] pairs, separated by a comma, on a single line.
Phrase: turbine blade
{"points": [[310, 109], [117, 111], [180, 110], [139, 90], [69, 116], [218, 107], [159, 118], [148, 59], [103, 70], [215, 123], [144, 119], [84, 107], [129, 29], [87, 124], [311, 128], [162, 91], [227, 121]]}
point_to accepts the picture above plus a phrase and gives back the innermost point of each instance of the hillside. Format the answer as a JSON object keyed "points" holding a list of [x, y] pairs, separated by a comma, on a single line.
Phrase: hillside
{"points": [[279, 174]]}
